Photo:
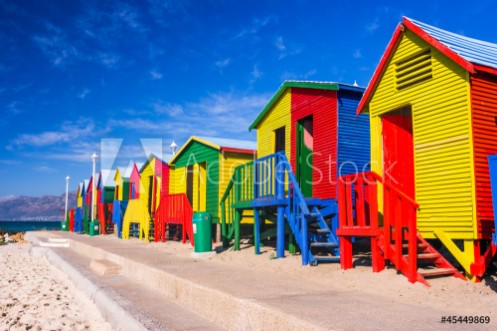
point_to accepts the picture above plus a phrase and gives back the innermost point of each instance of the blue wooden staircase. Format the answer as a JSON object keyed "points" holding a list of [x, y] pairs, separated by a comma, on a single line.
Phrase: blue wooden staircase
{"points": [[268, 184]]}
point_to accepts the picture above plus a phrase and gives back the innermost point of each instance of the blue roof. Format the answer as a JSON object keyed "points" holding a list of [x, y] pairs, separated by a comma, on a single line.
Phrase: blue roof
{"points": [[472, 50]]}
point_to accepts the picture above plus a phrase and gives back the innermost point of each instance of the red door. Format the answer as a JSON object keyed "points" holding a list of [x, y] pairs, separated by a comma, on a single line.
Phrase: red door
{"points": [[398, 152]]}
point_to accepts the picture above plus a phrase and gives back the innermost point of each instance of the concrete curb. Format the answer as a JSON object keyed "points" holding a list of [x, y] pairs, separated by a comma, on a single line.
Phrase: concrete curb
{"points": [[111, 311]]}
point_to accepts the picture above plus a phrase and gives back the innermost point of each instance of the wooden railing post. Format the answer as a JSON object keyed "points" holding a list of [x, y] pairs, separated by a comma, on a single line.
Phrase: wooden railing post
{"points": [[280, 195], [412, 245]]}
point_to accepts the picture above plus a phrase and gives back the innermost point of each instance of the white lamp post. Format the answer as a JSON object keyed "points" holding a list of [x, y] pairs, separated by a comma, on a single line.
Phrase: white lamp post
{"points": [[174, 147], [94, 157], [67, 196]]}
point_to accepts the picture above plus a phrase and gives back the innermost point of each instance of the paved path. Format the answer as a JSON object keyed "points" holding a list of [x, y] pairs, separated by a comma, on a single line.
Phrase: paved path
{"points": [[165, 289]]}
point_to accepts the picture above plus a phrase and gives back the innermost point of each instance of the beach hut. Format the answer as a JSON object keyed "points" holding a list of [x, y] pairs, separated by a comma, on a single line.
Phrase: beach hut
{"points": [[122, 184], [88, 206], [202, 169], [80, 206], [315, 124], [433, 110], [309, 133], [105, 200], [154, 181]]}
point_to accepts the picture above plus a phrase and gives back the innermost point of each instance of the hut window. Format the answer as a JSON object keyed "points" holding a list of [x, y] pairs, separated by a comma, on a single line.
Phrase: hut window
{"points": [[279, 139], [413, 70]]}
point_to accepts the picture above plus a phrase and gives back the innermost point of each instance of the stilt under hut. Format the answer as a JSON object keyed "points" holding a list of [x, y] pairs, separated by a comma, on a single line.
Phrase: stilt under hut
{"points": [[201, 170], [307, 135], [432, 107]]}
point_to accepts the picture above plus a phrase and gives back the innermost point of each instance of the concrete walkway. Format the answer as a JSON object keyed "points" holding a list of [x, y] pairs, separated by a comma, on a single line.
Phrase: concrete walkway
{"points": [[161, 290]]}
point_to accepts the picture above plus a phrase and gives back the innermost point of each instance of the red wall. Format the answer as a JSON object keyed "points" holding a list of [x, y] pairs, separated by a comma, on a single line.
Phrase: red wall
{"points": [[484, 117], [162, 169], [134, 178], [322, 104]]}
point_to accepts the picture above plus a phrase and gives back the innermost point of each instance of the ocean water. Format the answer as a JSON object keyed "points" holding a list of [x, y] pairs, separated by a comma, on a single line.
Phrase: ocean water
{"points": [[23, 226]]}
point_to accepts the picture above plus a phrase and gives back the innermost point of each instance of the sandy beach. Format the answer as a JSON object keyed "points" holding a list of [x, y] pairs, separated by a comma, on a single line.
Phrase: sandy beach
{"points": [[37, 296]]}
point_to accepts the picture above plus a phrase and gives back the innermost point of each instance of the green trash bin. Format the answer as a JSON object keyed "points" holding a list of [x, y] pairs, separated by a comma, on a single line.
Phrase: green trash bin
{"points": [[94, 228], [202, 231], [63, 226]]}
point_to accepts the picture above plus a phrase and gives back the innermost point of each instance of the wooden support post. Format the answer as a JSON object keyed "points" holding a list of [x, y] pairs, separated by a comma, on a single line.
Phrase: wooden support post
{"points": [[346, 252], [280, 221], [257, 232], [305, 240], [237, 230], [223, 226]]}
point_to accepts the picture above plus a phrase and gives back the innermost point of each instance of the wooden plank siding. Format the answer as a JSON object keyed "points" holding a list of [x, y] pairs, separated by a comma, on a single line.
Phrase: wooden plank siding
{"points": [[443, 156], [353, 136], [277, 117], [228, 162], [322, 105], [193, 154], [484, 117]]}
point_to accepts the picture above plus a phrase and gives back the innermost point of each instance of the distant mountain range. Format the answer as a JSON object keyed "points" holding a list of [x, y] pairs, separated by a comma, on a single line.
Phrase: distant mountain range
{"points": [[43, 208]]}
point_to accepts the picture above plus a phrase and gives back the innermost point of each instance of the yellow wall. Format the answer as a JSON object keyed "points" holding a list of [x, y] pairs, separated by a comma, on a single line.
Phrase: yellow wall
{"points": [[278, 116], [119, 183], [177, 179], [228, 162], [442, 140], [145, 175]]}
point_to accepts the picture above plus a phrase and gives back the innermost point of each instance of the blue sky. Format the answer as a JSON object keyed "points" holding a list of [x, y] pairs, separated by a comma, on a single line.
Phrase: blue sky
{"points": [[75, 72]]}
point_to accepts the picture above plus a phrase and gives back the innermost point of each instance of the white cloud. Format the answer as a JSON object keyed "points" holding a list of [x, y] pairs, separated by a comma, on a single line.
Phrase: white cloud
{"points": [[55, 45], [280, 44], [14, 108], [69, 132], [222, 64], [84, 93], [44, 169], [255, 74], [293, 76], [218, 114], [284, 49], [161, 107], [155, 74], [109, 60], [254, 28], [373, 26], [357, 54]]}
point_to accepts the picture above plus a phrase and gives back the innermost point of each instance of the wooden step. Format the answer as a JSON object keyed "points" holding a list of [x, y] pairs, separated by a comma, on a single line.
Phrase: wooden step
{"points": [[320, 231], [324, 245], [436, 272], [329, 259], [422, 246], [314, 216], [428, 256]]}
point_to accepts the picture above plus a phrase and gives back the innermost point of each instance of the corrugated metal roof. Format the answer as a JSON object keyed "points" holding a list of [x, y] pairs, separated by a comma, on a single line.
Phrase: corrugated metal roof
{"points": [[472, 50], [231, 143]]}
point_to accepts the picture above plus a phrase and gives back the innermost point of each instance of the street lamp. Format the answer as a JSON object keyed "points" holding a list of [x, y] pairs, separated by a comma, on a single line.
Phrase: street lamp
{"points": [[174, 147], [94, 157], [67, 196]]}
